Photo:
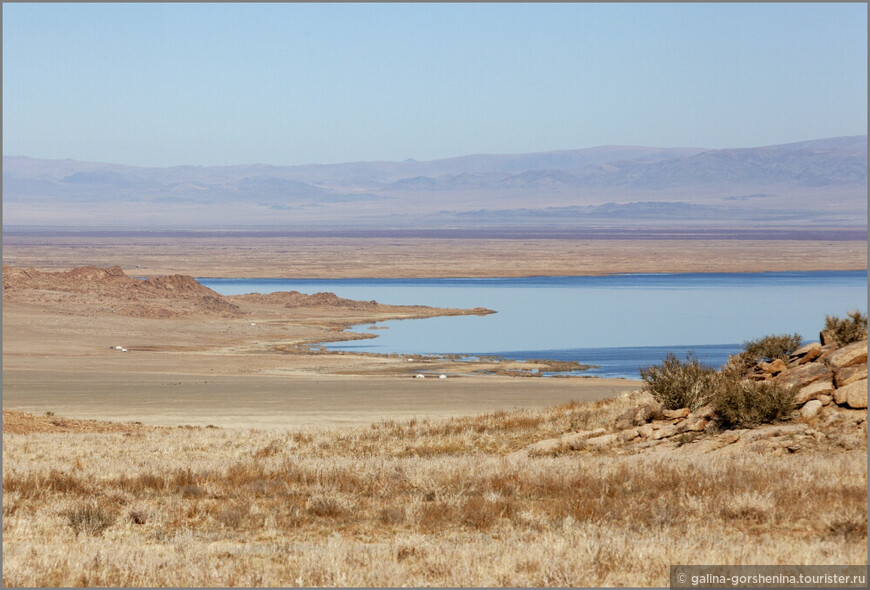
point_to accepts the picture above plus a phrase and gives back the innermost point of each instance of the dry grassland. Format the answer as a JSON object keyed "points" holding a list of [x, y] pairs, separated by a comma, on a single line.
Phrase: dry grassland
{"points": [[420, 503]]}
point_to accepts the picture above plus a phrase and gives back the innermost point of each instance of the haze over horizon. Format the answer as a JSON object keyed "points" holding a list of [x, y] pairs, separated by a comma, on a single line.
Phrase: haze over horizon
{"points": [[811, 184], [606, 146], [158, 85]]}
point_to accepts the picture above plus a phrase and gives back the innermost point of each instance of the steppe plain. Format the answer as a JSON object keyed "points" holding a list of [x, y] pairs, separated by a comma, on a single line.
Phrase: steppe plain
{"points": [[355, 474]]}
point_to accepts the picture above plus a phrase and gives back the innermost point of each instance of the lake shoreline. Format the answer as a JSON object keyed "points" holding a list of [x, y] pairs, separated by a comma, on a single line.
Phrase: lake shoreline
{"points": [[640, 316]]}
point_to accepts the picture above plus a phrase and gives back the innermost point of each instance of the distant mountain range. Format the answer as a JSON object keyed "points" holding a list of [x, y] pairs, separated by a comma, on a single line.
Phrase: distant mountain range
{"points": [[820, 183]]}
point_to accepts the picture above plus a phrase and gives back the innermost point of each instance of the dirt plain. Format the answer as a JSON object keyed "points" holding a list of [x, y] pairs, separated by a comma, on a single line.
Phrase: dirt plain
{"points": [[345, 257]]}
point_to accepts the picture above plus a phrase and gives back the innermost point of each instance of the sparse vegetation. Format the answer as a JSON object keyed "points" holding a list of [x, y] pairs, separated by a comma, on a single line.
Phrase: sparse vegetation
{"points": [[417, 503], [677, 384], [770, 348], [846, 330]]}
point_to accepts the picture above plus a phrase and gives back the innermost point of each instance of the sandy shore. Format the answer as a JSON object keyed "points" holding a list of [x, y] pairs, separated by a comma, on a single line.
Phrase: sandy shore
{"points": [[334, 257]]}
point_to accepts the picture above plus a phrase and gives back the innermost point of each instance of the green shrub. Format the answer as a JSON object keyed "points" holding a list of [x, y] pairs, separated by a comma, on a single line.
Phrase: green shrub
{"points": [[769, 348], [741, 403], [676, 384], [848, 330]]}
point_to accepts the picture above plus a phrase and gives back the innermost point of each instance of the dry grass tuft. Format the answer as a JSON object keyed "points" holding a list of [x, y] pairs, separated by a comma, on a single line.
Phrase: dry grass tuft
{"points": [[89, 518]]}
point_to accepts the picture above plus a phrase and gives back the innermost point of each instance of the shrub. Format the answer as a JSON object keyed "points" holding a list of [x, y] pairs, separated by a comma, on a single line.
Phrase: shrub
{"points": [[327, 505], [741, 403], [89, 518], [676, 384], [769, 348], [847, 330]]}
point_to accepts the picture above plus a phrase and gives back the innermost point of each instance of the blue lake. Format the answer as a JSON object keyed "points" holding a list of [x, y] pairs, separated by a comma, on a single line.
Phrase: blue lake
{"points": [[621, 322]]}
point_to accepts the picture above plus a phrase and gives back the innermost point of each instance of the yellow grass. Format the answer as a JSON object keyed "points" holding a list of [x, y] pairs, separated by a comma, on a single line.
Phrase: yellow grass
{"points": [[420, 503]]}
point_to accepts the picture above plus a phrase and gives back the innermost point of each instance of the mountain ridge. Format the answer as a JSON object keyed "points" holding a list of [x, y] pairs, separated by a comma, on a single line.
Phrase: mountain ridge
{"points": [[820, 179]]}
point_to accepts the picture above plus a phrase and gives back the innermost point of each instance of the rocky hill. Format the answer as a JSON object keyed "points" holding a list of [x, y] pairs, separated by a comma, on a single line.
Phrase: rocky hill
{"points": [[112, 290]]}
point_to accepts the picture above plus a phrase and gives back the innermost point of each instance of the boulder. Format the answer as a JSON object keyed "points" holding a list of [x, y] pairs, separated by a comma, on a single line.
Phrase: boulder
{"points": [[646, 431], [848, 375], [598, 442], [856, 397], [729, 438], [673, 414], [804, 375], [697, 420], [813, 391], [627, 435], [639, 416], [667, 431], [855, 392], [774, 431], [806, 353], [825, 399], [569, 440], [811, 409], [649, 412], [851, 354], [774, 367], [826, 337]]}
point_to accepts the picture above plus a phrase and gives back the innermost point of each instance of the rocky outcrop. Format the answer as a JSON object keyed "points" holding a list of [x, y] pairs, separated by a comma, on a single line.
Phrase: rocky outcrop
{"points": [[832, 374], [831, 401]]}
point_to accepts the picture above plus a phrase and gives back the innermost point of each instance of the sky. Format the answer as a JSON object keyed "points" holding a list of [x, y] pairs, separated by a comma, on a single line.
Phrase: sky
{"points": [[288, 84]]}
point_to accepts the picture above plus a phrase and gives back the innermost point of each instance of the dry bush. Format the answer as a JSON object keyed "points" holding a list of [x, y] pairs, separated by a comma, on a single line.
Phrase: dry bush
{"points": [[89, 518], [769, 348], [328, 505], [137, 516], [676, 384], [741, 403], [847, 330]]}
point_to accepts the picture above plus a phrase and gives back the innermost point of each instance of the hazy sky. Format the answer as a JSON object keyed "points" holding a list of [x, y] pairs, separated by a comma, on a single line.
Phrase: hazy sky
{"points": [[209, 84]]}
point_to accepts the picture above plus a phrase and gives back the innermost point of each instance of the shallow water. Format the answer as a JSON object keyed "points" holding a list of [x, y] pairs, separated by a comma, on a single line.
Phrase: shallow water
{"points": [[620, 322]]}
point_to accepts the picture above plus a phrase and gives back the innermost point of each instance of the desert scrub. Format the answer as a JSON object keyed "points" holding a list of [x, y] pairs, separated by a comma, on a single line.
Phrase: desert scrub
{"points": [[742, 403], [677, 384], [847, 330], [770, 348]]}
